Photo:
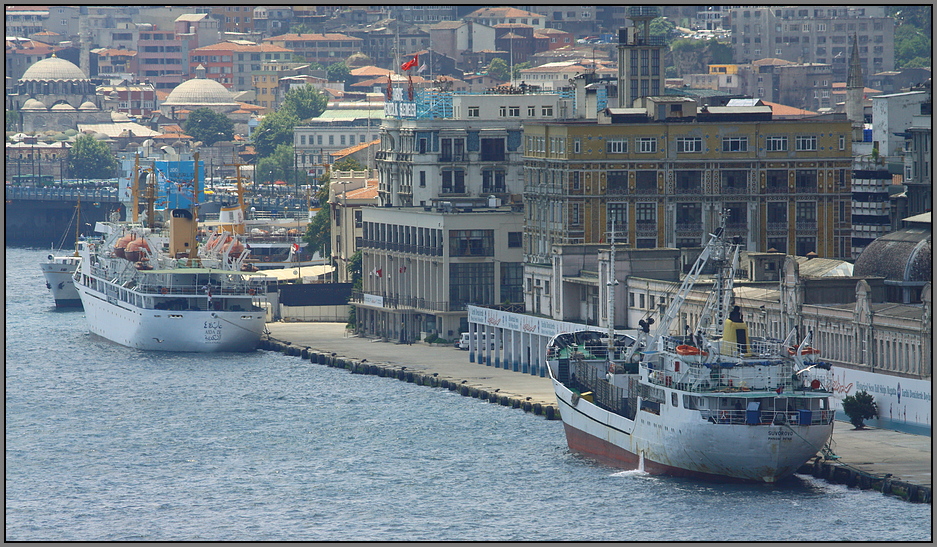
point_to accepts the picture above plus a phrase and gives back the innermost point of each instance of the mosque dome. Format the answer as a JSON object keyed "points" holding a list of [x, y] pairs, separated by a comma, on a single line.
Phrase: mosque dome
{"points": [[88, 106], [33, 104], [53, 68], [199, 91], [62, 107]]}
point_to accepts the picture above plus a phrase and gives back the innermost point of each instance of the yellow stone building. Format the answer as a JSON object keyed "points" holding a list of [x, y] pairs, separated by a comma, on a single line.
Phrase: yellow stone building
{"points": [[663, 171]]}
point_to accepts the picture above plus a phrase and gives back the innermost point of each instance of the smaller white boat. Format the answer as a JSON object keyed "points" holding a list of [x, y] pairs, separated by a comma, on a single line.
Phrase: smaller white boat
{"points": [[58, 272]]}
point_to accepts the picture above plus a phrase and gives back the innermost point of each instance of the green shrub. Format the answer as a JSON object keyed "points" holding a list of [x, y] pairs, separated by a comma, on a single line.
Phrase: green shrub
{"points": [[859, 408]]}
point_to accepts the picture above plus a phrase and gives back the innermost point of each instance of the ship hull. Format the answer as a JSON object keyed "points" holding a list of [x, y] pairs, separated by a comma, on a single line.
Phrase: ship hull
{"points": [[678, 442], [58, 276], [166, 330]]}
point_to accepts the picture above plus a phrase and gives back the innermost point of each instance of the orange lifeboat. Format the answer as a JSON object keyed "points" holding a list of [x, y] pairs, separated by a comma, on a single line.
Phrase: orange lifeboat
{"points": [[690, 350], [133, 251], [806, 351], [122, 244], [233, 249]]}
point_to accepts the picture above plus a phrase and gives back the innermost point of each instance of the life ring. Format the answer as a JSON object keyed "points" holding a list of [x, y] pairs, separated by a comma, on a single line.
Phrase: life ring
{"points": [[806, 351], [251, 292], [689, 350], [164, 290]]}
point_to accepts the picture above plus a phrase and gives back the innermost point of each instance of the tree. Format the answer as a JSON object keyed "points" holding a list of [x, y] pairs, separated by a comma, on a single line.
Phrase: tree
{"points": [[275, 129], [338, 72], [276, 166], [304, 102], [319, 232], [518, 68], [499, 70], [662, 27], [208, 126], [347, 164], [859, 408], [90, 158]]}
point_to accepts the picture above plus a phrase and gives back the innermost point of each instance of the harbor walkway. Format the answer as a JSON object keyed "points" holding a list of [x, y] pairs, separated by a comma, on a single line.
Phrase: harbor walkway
{"points": [[874, 451]]}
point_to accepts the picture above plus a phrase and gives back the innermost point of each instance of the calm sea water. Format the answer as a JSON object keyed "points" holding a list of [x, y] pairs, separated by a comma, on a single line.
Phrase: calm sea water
{"points": [[108, 443]]}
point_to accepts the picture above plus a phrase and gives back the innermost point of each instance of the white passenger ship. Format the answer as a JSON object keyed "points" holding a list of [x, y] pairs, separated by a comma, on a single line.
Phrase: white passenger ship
{"points": [[714, 404], [138, 294]]}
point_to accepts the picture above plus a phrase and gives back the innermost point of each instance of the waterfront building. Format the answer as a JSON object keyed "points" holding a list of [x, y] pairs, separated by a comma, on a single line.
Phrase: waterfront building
{"points": [[421, 267], [491, 16], [163, 55], [895, 113], [661, 173], [458, 147], [871, 202], [349, 193]]}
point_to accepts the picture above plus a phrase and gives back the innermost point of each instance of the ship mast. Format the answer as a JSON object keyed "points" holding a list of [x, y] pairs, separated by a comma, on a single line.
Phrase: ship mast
{"points": [[611, 294]]}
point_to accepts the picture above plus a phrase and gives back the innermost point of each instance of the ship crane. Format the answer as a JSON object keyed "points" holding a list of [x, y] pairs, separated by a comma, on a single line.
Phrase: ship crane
{"points": [[688, 282]]}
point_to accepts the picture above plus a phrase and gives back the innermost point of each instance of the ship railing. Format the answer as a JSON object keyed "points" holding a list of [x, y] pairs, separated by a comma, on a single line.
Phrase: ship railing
{"points": [[729, 377], [768, 417]]}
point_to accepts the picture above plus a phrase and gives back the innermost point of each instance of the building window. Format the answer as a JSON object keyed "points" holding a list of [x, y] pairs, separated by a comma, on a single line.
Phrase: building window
{"points": [[531, 111], [547, 111], [617, 182], [616, 215], [616, 146], [422, 179], [647, 144], [776, 144], [806, 143], [453, 181], [503, 111], [471, 284], [735, 144], [471, 243], [842, 142], [577, 145], [689, 144], [514, 111], [492, 149], [515, 239], [645, 213], [493, 181]]}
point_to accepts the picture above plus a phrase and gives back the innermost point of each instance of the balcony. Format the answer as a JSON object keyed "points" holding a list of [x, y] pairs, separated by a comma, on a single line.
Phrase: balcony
{"points": [[806, 226], [688, 189], [688, 227], [646, 228], [776, 189], [734, 190]]}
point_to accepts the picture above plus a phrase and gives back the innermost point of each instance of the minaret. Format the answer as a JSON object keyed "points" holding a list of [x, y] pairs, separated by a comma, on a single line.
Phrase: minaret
{"points": [[855, 88]]}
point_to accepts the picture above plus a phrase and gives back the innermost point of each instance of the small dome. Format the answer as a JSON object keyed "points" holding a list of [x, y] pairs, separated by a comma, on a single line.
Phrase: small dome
{"points": [[63, 107], [53, 68], [34, 104], [88, 105], [199, 91], [904, 255]]}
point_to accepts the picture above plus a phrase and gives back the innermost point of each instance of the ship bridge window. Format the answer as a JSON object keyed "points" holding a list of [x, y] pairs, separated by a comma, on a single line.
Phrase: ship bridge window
{"points": [[673, 398], [691, 402]]}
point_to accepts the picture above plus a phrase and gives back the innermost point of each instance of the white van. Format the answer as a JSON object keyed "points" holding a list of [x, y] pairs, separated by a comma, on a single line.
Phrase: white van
{"points": [[464, 341]]}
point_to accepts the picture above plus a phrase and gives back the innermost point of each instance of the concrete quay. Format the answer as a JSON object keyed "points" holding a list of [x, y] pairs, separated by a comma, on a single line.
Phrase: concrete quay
{"points": [[892, 462]]}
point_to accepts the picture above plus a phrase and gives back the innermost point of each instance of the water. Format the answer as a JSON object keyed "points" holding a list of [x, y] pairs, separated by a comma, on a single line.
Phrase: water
{"points": [[106, 443]]}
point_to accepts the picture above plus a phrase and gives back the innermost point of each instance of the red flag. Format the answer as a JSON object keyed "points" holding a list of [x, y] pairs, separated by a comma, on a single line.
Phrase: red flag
{"points": [[379, 273], [410, 64]]}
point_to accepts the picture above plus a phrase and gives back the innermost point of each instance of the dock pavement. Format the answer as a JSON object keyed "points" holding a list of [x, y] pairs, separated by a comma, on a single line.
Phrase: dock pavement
{"points": [[877, 452]]}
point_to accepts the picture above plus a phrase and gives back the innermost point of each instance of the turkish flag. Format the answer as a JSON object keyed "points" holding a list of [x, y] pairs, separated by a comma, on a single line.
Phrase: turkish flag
{"points": [[410, 64]]}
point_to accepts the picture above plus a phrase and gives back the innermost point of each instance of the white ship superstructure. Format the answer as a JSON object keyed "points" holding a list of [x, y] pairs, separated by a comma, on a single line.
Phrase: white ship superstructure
{"points": [[139, 294]]}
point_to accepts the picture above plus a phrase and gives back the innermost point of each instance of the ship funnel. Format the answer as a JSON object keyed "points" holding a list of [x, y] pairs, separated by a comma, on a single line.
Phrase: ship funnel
{"points": [[182, 227]]}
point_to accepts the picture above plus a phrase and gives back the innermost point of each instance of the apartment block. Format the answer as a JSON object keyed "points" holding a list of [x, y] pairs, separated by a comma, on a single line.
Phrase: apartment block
{"points": [[814, 34]]}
